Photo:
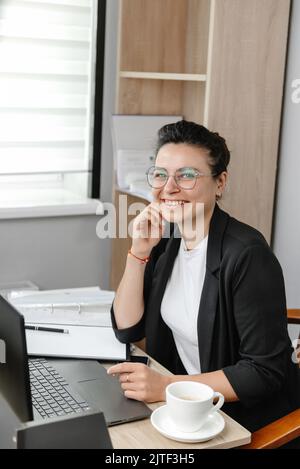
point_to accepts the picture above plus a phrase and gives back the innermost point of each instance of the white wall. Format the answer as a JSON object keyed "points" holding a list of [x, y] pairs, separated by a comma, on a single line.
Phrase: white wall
{"points": [[286, 240], [63, 252], [53, 252]]}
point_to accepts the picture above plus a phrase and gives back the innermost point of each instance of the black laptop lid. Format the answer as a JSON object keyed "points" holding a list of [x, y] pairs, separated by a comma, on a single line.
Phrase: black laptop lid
{"points": [[14, 372], [83, 431]]}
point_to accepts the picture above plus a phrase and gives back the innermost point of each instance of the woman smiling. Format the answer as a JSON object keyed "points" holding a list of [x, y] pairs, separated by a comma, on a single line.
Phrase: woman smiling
{"points": [[210, 298]]}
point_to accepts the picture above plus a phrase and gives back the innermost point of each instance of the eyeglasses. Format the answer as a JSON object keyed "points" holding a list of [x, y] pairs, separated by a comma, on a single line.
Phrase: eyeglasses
{"points": [[185, 178]]}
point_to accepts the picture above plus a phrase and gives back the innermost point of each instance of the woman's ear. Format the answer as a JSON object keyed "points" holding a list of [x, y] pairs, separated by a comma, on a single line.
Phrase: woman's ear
{"points": [[221, 184]]}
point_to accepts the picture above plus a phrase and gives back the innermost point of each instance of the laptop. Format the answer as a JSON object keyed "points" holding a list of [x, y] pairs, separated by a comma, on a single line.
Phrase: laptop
{"points": [[36, 388], [77, 431]]}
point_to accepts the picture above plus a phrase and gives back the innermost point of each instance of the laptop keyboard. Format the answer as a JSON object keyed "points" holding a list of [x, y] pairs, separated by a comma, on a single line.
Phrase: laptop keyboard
{"points": [[51, 394]]}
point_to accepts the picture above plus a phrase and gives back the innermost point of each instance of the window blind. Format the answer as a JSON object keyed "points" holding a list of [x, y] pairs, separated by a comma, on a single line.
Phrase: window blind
{"points": [[47, 63]]}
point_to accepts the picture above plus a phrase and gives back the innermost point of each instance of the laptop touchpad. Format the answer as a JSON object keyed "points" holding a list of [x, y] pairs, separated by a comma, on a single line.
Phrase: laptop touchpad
{"points": [[107, 395]]}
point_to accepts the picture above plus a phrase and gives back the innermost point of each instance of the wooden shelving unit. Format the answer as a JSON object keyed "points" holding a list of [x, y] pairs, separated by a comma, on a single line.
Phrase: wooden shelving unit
{"points": [[219, 63], [163, 76], [163, 51]]}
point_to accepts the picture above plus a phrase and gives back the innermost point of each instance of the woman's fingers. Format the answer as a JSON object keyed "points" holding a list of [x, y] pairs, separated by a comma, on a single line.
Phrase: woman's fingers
{"points": [[148, 228], [128, 371], [139, 382], [134, 390], [133, 395], [130, 386], [125, 367], [152, 212], [149, 225], [126, 378], [149, 215]]}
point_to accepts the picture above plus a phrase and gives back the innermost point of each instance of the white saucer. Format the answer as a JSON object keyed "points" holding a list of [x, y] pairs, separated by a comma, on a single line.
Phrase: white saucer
{"points": [[160, 420]]}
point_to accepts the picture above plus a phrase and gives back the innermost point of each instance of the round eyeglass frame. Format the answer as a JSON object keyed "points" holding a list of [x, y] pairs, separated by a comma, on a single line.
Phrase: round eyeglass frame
{"points": [[198, 175]]}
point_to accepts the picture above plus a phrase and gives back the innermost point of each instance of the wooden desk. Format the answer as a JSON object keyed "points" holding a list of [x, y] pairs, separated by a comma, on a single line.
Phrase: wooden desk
{"points": [[141, 434]]}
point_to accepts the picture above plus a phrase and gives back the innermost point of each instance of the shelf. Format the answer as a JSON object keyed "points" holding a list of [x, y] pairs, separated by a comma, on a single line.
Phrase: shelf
{"points": [[164, 76]]}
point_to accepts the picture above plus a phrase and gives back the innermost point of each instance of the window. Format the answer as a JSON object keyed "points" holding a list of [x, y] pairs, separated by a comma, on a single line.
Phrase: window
{"points": [[48, 51]]}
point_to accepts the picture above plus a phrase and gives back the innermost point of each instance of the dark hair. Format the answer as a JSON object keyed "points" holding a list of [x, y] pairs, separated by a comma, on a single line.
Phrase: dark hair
{"points": [[197, 135]]}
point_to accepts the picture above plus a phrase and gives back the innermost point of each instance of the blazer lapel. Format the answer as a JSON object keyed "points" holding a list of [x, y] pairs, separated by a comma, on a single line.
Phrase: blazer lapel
{"points": [[210, 293]]}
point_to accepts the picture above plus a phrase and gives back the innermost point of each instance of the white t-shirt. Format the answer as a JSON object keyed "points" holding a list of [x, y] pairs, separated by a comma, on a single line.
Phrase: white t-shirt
{"points": [[180, 304]]}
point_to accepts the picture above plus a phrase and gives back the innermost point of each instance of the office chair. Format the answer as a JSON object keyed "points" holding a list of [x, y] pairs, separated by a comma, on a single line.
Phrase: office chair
{"points": [[286, 429]]}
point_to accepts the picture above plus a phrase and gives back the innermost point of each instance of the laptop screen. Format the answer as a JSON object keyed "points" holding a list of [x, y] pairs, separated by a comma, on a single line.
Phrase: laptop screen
{"points": [[14, 371]]}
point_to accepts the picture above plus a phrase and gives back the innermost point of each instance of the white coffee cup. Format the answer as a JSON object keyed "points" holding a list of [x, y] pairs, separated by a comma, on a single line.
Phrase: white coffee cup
{"points": [[190, 403]]}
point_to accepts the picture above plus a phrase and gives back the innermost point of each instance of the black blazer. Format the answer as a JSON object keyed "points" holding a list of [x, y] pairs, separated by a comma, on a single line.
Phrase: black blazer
{"points": [[242, 323]]}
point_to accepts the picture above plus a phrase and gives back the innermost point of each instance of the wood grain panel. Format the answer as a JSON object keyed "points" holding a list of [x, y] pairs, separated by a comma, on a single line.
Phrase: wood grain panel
{"points": [[248, 62], [150, 97], [196, 41], [153, 35], [193, 101]]}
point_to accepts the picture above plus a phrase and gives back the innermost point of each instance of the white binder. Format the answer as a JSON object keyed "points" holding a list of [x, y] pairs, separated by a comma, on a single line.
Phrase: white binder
{"points": [[84, 312]]}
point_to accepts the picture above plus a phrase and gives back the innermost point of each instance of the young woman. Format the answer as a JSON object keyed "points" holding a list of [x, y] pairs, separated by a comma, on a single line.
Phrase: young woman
{"points": [[210, 298]]}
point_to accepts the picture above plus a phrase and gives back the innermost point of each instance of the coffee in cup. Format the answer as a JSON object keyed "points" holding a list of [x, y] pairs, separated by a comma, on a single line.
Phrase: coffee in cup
{"points": [[190, 404]]}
